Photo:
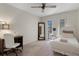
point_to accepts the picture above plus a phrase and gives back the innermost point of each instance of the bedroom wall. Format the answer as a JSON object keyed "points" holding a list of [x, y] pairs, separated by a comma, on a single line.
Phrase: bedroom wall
{"points": [[70, 18], [21, 22], [77, 25]]}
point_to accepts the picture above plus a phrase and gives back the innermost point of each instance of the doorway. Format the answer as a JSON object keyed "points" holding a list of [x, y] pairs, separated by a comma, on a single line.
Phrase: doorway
{"points": [[41, 31]]}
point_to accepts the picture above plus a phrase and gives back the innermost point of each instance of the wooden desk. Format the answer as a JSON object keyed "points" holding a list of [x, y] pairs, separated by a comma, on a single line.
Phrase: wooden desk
{"points": [[19, 39]]}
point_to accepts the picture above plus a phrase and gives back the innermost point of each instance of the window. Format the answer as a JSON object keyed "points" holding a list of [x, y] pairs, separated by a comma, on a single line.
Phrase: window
{"points": [[49, 28], [62, 23]]}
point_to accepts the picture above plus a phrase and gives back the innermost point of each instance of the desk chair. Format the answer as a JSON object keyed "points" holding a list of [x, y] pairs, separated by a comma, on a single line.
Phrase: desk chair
{"points": [[9, 42], [1, 46]]}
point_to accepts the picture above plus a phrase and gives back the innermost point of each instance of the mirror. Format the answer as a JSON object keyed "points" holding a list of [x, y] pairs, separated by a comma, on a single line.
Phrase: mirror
{"points": [[41, 31]]}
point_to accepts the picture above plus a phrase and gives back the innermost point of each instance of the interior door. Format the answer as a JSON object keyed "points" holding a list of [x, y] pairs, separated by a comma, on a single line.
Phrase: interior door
{"points": [[41, 31]]}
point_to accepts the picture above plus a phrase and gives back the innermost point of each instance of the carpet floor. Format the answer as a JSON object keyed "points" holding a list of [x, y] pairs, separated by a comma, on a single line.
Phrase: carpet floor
{"points": [[37, 48]]}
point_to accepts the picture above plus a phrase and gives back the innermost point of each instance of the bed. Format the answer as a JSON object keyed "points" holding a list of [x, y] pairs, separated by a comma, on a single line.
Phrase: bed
{"points": [[67, 45], [66, 48]]}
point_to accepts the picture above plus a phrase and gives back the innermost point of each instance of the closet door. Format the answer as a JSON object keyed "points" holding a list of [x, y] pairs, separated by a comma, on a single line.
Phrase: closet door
{"points": [[41, 31]]}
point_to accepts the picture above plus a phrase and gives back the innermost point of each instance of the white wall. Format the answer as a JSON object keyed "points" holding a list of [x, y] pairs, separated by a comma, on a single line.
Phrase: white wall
{"points": [[26, 24], [77, 25], [69, 17], [21, 22]]}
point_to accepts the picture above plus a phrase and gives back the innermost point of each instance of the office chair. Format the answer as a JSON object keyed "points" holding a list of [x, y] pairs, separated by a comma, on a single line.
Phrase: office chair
{"points": [[9, 42]]}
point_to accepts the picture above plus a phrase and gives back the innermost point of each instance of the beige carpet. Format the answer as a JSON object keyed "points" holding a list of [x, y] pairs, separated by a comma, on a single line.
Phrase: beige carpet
{"points": [[38, 48]]}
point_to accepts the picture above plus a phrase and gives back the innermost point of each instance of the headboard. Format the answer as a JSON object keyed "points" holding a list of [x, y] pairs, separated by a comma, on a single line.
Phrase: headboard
{"points": [[70, 32]]}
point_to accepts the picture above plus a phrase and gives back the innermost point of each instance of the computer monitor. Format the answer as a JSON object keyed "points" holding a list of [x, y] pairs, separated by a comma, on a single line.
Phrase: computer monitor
{"points": [[54, 29]]}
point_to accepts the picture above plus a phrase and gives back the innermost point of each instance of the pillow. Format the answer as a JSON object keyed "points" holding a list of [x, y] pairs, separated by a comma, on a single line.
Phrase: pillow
{"points": [[67, 35], [70, 32]]}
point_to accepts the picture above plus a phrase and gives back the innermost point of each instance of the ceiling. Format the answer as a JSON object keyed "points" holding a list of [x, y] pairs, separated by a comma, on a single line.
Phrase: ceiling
{"points": [[60, 7]]}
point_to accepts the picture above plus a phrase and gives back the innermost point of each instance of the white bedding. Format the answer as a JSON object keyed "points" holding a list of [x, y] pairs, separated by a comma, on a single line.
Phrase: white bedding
{"points": [[71, 47]]}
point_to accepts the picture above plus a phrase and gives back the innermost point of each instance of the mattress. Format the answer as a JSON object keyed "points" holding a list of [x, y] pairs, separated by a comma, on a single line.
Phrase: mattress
{"points": [[71, 47]]}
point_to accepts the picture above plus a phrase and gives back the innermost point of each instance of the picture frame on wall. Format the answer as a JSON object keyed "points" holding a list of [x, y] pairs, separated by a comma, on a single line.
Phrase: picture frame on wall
{"points": [[5, 26]]}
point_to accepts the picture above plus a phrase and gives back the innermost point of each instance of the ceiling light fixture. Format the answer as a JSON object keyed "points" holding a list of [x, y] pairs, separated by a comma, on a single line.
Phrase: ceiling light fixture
{"points": [[44, 6]]}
